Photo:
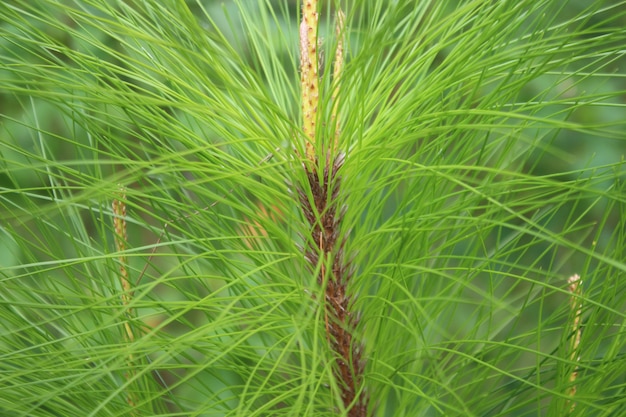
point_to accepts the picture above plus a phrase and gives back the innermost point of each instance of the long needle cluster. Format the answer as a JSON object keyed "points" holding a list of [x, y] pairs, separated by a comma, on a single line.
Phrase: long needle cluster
{"points": [[322, 209]]}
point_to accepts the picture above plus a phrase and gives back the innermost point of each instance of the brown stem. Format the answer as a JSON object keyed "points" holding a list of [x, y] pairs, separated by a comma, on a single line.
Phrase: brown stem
{"points": [[324, 216]]}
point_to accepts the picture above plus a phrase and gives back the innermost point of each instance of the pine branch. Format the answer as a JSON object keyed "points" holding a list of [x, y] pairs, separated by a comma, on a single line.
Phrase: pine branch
{"points": [[323, 211]]}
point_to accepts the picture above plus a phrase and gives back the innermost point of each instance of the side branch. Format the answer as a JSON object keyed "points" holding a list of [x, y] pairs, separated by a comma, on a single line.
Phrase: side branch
{"points": [[121, 237]]}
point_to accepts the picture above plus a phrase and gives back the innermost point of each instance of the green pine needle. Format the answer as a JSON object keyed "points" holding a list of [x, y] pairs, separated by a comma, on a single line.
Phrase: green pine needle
{"points": [[484, 165]]}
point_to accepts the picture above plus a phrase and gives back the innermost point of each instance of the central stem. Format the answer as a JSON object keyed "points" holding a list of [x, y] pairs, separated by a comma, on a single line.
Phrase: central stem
{"points": [[326, 245], [319, 201]]}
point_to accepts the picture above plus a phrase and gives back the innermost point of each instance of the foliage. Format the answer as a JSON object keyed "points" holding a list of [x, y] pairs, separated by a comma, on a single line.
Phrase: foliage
{"points": [[483, 166]]}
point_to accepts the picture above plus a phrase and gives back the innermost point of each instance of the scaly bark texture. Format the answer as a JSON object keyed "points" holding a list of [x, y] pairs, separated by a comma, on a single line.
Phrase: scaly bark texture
{"points": [[324, 215]]}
